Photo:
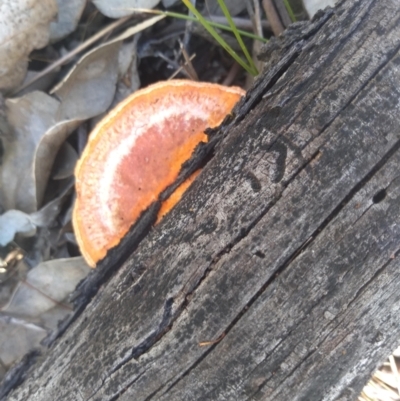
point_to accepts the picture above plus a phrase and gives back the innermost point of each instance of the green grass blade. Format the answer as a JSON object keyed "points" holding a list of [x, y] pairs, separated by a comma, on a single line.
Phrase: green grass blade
{"points": [[218, 38], [289, 10], [237, 35], [212, 23]]}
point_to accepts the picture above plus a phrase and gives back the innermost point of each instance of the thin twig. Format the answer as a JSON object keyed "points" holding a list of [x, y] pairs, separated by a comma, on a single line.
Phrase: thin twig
{"points": [[182, 67], [188, 63], [254, 11], [241, 23], [273, 17], [283, 12], [211, 342], [66, 58]]}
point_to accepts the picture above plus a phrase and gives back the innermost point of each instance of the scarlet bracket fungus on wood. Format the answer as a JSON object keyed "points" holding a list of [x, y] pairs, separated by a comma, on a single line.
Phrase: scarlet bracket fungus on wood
{"points": [[136, 152]]}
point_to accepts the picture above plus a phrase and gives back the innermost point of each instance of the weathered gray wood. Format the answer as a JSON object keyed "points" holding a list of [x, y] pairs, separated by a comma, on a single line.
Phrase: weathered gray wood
{"points": [[285, 250]]}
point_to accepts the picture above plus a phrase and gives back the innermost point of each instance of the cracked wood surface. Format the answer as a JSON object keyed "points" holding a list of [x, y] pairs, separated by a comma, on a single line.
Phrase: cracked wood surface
{"points": [[277, 275]]}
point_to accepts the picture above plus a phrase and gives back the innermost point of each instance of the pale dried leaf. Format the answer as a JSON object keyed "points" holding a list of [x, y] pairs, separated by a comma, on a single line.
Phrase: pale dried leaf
{"points": [[127, 59], [69, 13], [48, 213], [129, 80], [52, 317], [46, 152], [42, 84], [24, 26], [127, 56], [47, 285], [30, 116], [89, 88], [17, 337], [122, 8], [312, 6], [30, 154], [13, 222]]}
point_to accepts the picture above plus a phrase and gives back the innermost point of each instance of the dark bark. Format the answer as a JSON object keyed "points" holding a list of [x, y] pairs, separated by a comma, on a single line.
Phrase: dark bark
{"points": [[277, 275]]}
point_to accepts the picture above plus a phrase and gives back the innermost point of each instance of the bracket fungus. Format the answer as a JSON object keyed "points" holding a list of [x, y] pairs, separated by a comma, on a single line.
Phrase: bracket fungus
{"points": [[136, 152]]}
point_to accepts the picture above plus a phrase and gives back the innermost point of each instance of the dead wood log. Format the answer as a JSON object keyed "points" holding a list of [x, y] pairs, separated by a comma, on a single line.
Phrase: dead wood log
{"points": [[277, 276]]}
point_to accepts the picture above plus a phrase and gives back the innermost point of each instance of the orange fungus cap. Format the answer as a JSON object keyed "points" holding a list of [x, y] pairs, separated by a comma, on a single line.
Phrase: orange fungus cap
{"points": [[136, 152]]}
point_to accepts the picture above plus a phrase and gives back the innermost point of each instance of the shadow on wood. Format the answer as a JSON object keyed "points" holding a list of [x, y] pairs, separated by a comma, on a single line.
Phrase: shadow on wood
{"points": [[277, 276]]}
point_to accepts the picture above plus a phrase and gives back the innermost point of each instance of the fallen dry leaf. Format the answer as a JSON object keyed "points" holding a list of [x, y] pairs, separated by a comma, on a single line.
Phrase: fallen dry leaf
{"points": [[69, 13], [37, 305], [122, 8], [88, 89], [46, 285], [312, 6], [17, 338], [30, 116], [24, 26], [13, 222], [129, 80]]}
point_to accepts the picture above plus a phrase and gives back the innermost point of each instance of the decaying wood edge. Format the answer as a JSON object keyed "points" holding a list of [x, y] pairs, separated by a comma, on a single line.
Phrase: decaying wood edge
{"points": [[279, 168]]}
